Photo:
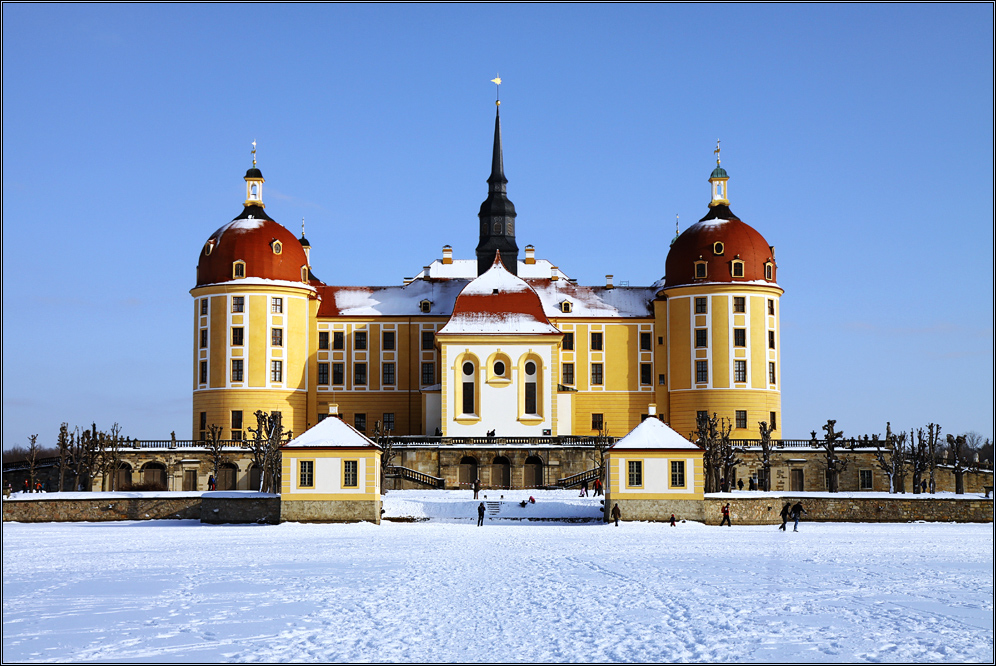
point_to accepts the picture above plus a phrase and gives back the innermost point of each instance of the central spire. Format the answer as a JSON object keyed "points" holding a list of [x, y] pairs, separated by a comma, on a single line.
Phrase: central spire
{"points": [[497, 215]]}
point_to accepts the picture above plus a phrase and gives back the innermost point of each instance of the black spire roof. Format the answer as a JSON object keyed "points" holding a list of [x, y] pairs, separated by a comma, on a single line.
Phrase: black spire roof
{"points": [[497, 216]]}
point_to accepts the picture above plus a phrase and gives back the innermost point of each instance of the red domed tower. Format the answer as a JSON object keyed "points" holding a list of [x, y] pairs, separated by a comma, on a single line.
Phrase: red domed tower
{"points": [[720, 309], [252, 304]]}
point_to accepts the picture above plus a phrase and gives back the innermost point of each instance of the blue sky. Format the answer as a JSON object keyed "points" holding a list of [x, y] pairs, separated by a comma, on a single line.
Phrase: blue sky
{"points": [[858, 139]]}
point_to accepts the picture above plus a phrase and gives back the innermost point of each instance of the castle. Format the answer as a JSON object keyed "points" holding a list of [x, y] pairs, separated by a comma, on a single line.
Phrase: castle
{"points": [[504, 350]]}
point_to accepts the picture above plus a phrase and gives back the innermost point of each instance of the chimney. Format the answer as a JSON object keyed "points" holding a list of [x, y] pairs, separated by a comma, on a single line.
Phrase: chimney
{"points": [[333, 409], [554, 273], [652, 409], [530, 255], [447, 254], [425, 272], [608, 282]]}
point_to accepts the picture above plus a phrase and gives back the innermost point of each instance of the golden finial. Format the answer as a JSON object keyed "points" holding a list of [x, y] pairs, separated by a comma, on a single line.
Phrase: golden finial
{"points": [[716, 152], [254, 153], [497, 82], [302, 227]]}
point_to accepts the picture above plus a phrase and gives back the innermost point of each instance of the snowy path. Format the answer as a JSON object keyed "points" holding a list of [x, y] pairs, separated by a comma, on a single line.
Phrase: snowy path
{"points": [[519, 592]]}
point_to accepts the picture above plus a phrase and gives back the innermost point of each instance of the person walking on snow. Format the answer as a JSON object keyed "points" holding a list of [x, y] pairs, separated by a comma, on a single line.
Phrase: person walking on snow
{"points": [[584, 489], [598, 488], [797, 512], [477, 486], [616, 514], [785, 515], [672, 520], [726, 515], [480, 515]]}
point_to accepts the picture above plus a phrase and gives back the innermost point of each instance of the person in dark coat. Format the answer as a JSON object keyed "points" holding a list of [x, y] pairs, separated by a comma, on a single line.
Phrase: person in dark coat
{"points": [[480, 515], [477, 486], [616, 514], [584, 489], [785, 515], [673, 522], [726, 515], [797, 512], [740, 484]]}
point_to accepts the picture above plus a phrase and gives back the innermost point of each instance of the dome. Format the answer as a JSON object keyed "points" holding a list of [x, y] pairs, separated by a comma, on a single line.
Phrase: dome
{"points": [[718, 172], [269, 251], [254, 173], [718, 240]]}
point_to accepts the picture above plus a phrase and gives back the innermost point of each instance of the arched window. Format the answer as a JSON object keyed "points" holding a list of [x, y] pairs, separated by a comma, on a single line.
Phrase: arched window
{"points": [[468, 471], [468, 376], [533, 472], [154, 476], [501, 473], [531, 387], [228, 474], [530, 369], [122, 477], [239, 269]]}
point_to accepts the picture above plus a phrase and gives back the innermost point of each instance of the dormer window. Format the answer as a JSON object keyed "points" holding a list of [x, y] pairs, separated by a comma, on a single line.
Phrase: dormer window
{"points": [[425, 306], [208, 247], [769, 271], [239, 269], [277, 246], [304, 273], [700, 269], [737, 267], [717, 248], [566, 306]]}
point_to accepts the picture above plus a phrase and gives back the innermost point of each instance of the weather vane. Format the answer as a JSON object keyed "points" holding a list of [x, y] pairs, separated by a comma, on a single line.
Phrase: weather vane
{"points": [[716, 152], [497, 82], [254, 153]]}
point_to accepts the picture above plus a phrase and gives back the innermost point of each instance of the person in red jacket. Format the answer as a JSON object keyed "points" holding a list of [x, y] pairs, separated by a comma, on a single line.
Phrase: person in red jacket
{"points": [[726, 515]]}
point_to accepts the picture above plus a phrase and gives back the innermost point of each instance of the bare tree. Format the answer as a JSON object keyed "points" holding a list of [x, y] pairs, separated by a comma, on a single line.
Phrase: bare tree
{"points": [[215, 448], [835, 465], [719, 458], [764, 483], [64, 443], [387, 453], [960, 456], [891, 458], [264, 446], [923, 445], [32, 458]]}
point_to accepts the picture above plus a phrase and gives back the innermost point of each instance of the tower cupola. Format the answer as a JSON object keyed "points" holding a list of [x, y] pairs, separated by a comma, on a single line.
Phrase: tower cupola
{"points": [[254, 183], [719, 181], [497, 214]]}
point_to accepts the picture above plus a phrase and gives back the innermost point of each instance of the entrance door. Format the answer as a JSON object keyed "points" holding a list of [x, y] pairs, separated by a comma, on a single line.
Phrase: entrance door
{"points": [[190, 479], [797, 480], [226, 477], [501, 473], [533, 472], [468, 472]]}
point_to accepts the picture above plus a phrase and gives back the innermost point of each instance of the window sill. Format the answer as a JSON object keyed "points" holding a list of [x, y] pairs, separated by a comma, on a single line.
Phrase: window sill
{"points": [[467, 419], [531, 419]]}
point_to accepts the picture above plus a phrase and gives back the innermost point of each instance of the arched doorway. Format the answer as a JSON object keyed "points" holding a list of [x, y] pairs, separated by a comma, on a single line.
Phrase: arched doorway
{"points": [[154, 476], [228, 474], [468, 471], [122, 477], [255, 475], [532, 472], [501, 473]]}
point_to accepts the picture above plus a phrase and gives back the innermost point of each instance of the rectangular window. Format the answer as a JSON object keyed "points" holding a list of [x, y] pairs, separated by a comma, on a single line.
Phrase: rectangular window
{"points": [[204, 306], [338, 374], [701, 416], [568, 344], [530, 397], [360, 340], [350, 473], [238, 303], [468, 398], [740, 337], [741, 418], [238, 336], [771, 372], [388, 343], [634, 473], [236, 419], [388, 422], [360, 374], [596, 422], [677, 473], [865, 479], [568, 372], [771, 306], [428, 374], [276, 371], [277, 305], [701, 337], [204, 425], [774, 420], [771, 339], [740, 304], [646, 374], [338, 340], [662, 380], [596, 374], [237, 369], [360, 422], [277, 337], [740, 371], [323, 339], [204, 372], [323, 374], [388, 374], [596, 342], [204, 338], [701, 371], [307, 476], [646, 341], [700, 305], [428, 340]]}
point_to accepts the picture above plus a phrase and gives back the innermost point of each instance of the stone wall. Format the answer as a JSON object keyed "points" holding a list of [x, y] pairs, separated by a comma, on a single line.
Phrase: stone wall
{"points": [[655, 510], [766, 510], [186, 507], [332, 511]]}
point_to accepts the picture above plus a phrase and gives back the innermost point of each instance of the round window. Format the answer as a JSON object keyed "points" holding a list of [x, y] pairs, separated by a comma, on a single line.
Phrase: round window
{"points": [[468, 368], [499, 368], [530, 368]]}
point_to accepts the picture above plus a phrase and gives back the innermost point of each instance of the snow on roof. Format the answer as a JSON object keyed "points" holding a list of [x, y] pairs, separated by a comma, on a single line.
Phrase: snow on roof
{"points": [[498, 302], [594, 301], [331, 433], [654, 434], [264, 282], [398, 301], [241, 225], [467, 269]]}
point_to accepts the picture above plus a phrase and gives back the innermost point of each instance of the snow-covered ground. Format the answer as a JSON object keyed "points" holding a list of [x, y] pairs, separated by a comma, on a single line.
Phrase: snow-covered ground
{"points": [[446, 590]]}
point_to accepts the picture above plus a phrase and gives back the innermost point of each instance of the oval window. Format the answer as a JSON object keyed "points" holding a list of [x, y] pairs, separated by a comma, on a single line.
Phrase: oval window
{"points": [[499, 368], [530, 368], [468, 368]]}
